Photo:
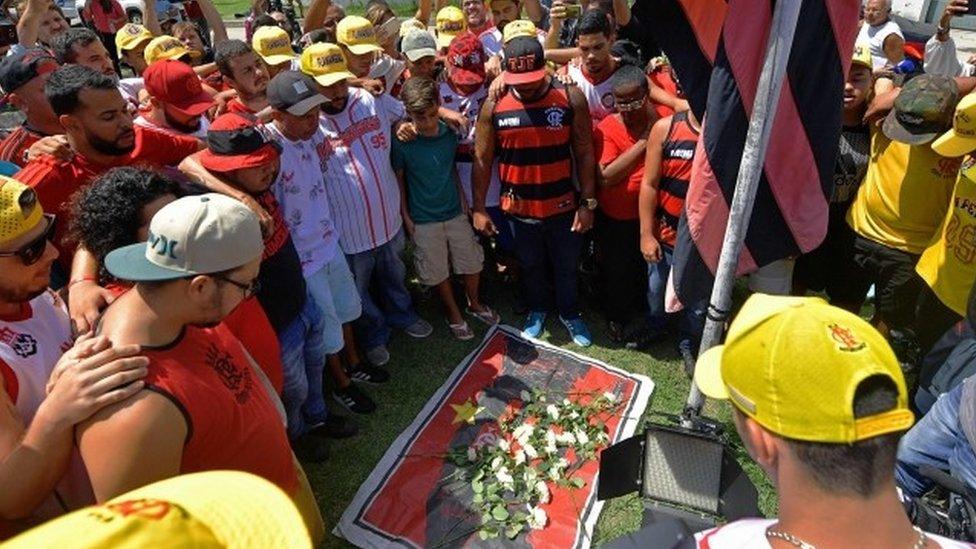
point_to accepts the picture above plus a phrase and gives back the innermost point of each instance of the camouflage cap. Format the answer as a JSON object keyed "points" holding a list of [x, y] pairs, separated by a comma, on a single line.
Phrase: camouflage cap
{"points": [[923, 109]]}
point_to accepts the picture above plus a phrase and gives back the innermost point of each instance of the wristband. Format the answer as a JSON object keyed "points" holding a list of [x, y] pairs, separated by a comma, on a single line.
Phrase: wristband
{"points": [[87, 278]]}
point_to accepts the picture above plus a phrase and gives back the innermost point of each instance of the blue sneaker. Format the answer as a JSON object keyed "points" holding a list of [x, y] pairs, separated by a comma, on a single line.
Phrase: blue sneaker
{"points": [[534, 324], [578, 331]]}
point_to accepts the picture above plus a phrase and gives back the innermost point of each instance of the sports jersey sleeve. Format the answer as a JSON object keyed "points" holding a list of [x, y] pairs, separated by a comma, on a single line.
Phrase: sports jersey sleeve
{"points": [[38, 174], [164, 148], [390, 107]]}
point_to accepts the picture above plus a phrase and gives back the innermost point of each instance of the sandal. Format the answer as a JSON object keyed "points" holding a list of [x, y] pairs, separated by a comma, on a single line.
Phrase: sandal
{"points": [[485, 315], [461, 331]]}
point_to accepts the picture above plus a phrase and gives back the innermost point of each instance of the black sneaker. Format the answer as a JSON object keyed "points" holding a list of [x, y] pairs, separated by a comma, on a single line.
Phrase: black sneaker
{"points": [[687, 357], [364, 373], [335, 426], [354, 400], [310, 448]]}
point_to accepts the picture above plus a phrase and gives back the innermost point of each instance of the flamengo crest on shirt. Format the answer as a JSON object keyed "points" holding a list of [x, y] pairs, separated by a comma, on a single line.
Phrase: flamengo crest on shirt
{"points": [[24, 345]]}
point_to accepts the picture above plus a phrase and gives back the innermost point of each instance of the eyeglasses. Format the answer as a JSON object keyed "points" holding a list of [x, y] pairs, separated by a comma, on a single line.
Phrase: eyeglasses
{"points": [[631, 105], [32, 252], [249, 289]]}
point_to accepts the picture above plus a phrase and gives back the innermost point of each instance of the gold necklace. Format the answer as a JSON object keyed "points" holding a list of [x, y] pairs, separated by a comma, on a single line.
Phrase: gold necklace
{"points": [[797, 542]]}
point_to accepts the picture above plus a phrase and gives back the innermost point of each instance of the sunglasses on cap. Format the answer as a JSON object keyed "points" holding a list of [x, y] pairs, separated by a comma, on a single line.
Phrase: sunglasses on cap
{"points": [[32, 252], [631, 105]]}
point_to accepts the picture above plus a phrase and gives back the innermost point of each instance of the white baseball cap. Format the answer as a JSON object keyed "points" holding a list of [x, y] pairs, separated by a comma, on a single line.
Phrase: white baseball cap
{"points": [[194, 235]]}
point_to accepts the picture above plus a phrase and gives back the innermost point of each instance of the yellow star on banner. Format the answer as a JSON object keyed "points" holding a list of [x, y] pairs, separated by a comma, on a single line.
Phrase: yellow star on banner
{"points": [[465, 412]]}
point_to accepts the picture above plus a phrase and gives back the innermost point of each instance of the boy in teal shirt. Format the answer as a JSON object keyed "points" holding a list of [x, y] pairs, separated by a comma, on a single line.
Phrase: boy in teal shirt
{"points": [[434, 213]]}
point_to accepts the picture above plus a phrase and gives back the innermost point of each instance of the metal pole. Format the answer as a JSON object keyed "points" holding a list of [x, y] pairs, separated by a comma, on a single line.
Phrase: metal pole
{"points": [[785, 16]]}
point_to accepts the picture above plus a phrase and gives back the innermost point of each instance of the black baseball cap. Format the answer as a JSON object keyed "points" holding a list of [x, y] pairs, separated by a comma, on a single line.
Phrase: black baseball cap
{"points": [[20, 68], [294, 92], [525, 61]]}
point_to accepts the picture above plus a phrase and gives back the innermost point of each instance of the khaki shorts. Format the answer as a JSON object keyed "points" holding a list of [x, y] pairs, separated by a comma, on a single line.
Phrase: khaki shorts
{"points": [[436, 243]]}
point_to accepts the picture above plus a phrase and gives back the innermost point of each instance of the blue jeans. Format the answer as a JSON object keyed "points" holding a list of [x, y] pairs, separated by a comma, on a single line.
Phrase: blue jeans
{"points": [[303, 354], [690, 320], [936, 440], [547, 248], [384, 267]]}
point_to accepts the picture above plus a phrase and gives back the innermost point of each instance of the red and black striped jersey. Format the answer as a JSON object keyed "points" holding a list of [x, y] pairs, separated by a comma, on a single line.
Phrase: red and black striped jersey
{"points": [[678, 151], [534, 154]]}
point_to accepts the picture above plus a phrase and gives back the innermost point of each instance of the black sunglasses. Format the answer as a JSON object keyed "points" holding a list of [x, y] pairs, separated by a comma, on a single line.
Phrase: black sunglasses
{"points": [[32, 252], [248, 289]]}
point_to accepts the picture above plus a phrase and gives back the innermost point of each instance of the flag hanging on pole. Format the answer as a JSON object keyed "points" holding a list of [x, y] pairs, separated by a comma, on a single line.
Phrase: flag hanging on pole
{"points": [[729, 41]]}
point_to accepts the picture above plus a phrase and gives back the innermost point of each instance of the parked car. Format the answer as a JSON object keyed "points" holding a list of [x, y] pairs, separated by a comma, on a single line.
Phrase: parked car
{"points": [[133, 8]]}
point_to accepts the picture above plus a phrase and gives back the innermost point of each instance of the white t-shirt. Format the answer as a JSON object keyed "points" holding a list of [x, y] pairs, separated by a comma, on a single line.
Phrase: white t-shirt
{"points": [[469, 106], [599, 95], [875, 36], [130, 88], [30, 345], [300, 191], [751, 534], [491, 40], [200, 134], [360, 185]]}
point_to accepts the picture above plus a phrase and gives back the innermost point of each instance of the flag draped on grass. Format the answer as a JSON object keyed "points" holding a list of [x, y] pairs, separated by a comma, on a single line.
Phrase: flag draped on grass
{"points": [[720, 47]]}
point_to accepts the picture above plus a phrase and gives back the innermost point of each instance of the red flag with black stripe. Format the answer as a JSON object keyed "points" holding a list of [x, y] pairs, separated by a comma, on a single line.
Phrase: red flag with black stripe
{"points": [[717, 49]]}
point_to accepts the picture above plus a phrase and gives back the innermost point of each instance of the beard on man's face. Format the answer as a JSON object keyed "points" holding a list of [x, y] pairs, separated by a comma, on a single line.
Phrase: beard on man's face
{"points": [[111, 148], [180, 126]]}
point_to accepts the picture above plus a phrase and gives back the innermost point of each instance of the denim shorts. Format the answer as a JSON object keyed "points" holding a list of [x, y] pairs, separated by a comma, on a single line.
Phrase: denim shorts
{"points": [[334, 291]]}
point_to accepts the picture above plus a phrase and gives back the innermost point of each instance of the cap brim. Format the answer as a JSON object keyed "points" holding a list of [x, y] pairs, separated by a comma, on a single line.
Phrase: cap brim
{"points": [[174, 54], [130, 263], [134, 44], [465, 77], [275, 60], [952, 145], [195, 106], [417, 55], [241, 510], [708, 374], [516, 78], [230, 162], [893, 130], [333, 77], [360, 49], [307, 104], [444, 39]]}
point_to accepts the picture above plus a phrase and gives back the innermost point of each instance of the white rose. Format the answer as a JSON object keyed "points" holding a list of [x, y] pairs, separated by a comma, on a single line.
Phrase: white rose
{"points": [[566, 402], [537, 518], [610, 397], [552, 411], [581, 436], [566, 438], [530, 451], [496, 463], [523, 432], [504, 445], [520, 457], [574, 414], [543, 490], [503, 476], [550, 442]]}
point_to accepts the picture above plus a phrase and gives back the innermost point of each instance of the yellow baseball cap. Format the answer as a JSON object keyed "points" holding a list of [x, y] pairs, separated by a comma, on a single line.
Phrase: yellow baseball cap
{"points": [[449, 23], [961, 139], [130, 36], [20, 210], [164, 47], [357, 34], [324, 62], [409, 25], [273, 45], [213, 509], [519, 28], [862, 55], [793, 365]]}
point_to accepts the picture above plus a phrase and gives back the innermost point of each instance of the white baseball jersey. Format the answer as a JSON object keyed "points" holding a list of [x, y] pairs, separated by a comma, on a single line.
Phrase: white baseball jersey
{"points": [[300, 191], [30, 345], [752, 533], [599, 95], [360, 185], [469, 106]]}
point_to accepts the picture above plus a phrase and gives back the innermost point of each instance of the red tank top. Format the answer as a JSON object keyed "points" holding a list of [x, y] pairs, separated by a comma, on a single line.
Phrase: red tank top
{"points": [[232, 423], [534, 154], [677, 155]]}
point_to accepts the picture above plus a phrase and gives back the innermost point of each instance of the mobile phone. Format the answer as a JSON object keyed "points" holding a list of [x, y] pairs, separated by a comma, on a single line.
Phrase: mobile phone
{"points": [[971, 8], [573, 10], [8, 31]]}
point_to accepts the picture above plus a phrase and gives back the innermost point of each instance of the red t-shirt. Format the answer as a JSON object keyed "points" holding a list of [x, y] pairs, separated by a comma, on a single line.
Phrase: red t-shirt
{"points": [[250, 325], [232, 421], [618, 201], [235, 105], [55, 181], [13, 147]]}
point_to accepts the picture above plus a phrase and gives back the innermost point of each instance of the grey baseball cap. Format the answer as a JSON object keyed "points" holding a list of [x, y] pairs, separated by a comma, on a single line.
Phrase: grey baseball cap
{"points": [[417, 44], [294, 92], [194, 235]]}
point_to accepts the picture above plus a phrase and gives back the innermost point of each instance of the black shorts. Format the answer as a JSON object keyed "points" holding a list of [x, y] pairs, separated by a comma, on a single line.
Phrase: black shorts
{"points": [[896, 284], [830, 267]]}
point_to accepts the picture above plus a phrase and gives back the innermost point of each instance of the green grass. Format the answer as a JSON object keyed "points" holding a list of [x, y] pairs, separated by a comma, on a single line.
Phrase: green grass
{"points": [[420, 367], [228, 8]]}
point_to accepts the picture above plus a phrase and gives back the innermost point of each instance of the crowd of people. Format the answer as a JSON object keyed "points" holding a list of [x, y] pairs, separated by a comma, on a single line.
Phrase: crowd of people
{"points": [[204, 240]]}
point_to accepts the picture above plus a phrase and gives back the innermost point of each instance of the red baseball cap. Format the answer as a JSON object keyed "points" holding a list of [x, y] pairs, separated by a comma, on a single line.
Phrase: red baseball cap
{"points": [[466, 60], [174, 83], [234, 142]]}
